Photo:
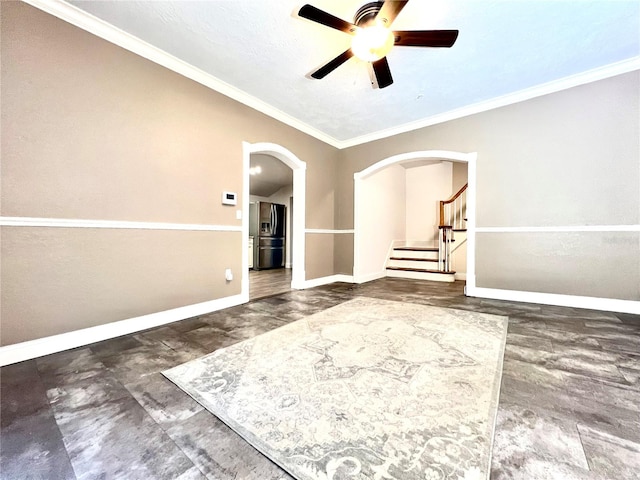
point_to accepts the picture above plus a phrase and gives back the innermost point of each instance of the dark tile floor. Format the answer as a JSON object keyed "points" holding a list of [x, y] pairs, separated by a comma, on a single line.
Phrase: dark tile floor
{"points": [[569, 403]]}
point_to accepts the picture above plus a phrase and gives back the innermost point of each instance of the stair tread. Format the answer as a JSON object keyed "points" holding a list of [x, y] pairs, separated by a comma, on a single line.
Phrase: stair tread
{"points": [[415, 259], [422, 270], [454, 229], [418, 249]]}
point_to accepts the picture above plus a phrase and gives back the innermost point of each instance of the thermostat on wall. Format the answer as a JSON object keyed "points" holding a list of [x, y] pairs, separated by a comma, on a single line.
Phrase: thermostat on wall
{"points": [[229, 198]]}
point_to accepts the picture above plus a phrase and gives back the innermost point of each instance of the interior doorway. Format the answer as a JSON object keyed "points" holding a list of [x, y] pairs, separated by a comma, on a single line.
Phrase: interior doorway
{"points": [[270, 190], [369, 265]]}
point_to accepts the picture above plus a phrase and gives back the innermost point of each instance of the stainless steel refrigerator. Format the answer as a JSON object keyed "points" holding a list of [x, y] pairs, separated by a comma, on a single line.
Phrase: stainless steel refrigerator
{"points": [[267, 222]]}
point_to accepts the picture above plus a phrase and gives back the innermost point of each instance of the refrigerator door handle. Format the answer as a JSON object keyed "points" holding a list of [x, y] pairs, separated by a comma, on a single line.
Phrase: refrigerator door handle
{"points": [[274, 219]]}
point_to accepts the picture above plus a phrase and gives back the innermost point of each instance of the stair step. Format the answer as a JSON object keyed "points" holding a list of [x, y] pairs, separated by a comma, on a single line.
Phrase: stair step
{"points": [[414, 259], [453, 229], [422, 270], [415, 253], [420, 274]]}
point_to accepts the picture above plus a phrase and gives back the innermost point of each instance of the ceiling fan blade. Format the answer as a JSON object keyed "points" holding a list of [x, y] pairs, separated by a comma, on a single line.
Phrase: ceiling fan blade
{"points": [[332, 65], [390, 11], [381, 77], [426, 38], [320, 16]]}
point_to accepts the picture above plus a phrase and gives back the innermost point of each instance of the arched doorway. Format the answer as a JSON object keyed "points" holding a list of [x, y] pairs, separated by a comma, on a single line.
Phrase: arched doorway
{"points": [[360, 212], [299, 181]]}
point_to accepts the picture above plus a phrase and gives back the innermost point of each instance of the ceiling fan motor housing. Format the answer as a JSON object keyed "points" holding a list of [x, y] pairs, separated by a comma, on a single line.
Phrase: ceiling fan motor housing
{"points": [[367, 13]]}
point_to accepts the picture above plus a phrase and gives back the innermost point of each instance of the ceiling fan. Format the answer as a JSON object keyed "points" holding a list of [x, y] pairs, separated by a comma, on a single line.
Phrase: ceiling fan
{"points": [[373, 37]]}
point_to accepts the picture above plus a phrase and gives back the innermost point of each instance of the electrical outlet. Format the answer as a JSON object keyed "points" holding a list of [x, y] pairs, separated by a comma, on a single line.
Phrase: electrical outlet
{"points": [[228, 275], [238, 214]]}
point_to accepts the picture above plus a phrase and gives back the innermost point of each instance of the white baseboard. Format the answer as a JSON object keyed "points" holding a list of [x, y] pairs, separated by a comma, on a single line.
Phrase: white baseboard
{"points": [[56, 343], [316, 282], [369, 277], [287, 265], [591, 303], [343, 277], [460, 276]]}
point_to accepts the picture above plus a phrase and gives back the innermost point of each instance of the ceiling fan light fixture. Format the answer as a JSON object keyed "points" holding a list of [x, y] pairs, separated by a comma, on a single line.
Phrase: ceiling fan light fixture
{"points": [[372, 43], [373, 39]]}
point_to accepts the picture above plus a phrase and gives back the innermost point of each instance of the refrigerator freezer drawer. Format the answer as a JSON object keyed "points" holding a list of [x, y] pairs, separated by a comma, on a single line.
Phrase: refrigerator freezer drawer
{"points": [[270, 257], [271, 242]]}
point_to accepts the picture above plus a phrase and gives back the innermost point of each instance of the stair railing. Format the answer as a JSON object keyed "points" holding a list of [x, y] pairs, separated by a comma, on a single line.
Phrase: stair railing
{"points": [[453, 216], [444, 248], [453, 212]]}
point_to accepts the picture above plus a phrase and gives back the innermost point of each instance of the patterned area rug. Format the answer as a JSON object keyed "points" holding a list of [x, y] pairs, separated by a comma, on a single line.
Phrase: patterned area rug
{"points": [[369, 389]]}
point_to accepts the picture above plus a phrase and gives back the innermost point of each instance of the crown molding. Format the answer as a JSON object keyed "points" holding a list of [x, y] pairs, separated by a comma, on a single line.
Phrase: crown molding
{"points": [[110, 33], [600, 73], [81, 19]]}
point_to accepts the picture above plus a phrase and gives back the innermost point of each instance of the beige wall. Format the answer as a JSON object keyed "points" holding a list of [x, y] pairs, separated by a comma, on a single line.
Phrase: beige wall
{"points": [[56, 280], [426, 186], [460, 174], [598, 264], [319, 252], [91, 131], [459, 254], [343, 253], [569, 158], [382, 218]]}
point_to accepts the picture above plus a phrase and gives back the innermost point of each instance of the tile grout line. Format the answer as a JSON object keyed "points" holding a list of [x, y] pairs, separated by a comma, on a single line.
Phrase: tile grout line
{"points": [[164, 431], [53, 415], [582, 446], [146, 413]]}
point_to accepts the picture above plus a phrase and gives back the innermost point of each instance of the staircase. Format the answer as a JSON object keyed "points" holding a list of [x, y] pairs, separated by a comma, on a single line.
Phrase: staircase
{"points": [[433, 262], [421, 263]]}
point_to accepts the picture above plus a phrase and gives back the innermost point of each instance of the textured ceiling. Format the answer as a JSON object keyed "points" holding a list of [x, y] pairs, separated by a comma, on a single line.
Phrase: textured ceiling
{"points": [[261, 48], [275, 175]]}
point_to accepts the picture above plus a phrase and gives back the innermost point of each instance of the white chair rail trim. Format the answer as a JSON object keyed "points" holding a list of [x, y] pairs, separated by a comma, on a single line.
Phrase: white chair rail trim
{"points": [[327, 230], [561, 229], [87, 223]]}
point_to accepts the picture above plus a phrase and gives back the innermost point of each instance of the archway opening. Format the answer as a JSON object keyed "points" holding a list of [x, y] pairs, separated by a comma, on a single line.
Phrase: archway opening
{"points": [[298, 218], [370, 258]]}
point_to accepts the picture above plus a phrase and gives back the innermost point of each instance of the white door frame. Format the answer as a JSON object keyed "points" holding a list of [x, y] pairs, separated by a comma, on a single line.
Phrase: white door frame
{"points": [[359, 177], [299, 184]]}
